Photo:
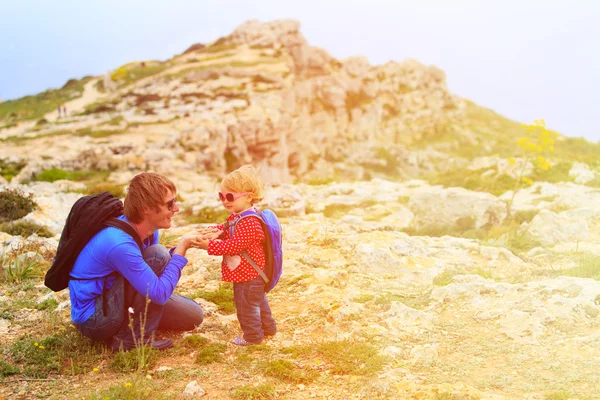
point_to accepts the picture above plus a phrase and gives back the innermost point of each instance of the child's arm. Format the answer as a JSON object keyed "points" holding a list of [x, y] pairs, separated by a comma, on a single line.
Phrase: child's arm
{"points": [[247, 232]]}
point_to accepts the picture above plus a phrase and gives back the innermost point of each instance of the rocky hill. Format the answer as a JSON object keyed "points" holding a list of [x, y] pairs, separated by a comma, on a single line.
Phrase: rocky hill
{"points": [[428, 255]]}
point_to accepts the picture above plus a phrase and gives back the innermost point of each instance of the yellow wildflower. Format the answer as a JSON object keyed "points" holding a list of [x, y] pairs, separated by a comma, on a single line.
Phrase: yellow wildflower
{"points": [[512, 161], [36, 344], [127, 384], [41, 347], [96, 370]]}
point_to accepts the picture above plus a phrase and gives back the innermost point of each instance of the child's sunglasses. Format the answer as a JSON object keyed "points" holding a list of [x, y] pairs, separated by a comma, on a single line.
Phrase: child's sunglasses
{"points": [[231, 197]]}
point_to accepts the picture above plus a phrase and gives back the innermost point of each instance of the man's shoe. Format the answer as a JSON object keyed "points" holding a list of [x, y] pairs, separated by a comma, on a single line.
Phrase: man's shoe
{"points": [[162, 344]]}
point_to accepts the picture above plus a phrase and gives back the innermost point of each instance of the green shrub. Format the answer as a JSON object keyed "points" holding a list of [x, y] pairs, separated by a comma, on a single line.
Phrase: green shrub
{"points": [[10, 169], [25, 229], [14, 204], [18, 268]]}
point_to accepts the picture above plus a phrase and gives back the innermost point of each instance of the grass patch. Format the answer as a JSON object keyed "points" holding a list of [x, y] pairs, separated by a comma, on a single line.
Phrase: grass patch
{"points": [[96, 181], [136, 389], [49, 304], [347, 357], [65, 352], [444, 278], [138, 359], [222, 297], [559, 172], [287, 371], [363, 298], [19, 268], [10, 169], [588, 266], [116, 121], [128, 74], [559, 396], [320, 180], [194, 341], [507, 234], [339, 210], [297, 350], [210, 353], [25, 229], [7, 369], [474, 180], [254, 392], [101, 133], [14, 204], [204, 215], [36, 106]]}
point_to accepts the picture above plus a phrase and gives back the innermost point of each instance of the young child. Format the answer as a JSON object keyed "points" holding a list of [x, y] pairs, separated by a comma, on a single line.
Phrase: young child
{"points": [[240, 190]]}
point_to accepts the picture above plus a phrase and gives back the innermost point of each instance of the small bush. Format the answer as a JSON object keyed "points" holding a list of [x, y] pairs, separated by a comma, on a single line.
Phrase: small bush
{"points": [[10, 169], [25, 229], [19, 268], [14, 204]]}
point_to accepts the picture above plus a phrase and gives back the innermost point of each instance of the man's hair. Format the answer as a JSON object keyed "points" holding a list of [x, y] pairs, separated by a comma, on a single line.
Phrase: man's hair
{"points": [[147, 189], [245, 179]]}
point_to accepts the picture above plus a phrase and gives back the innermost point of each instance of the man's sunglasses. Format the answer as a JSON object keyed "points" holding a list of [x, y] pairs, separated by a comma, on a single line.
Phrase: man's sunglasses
{"points": [[231, 197], [171, 203]]}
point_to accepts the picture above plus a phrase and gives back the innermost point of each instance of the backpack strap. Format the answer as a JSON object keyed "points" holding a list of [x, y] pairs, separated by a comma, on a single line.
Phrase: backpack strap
{"points": [[127, 228], [246, 256], [244, 253]]}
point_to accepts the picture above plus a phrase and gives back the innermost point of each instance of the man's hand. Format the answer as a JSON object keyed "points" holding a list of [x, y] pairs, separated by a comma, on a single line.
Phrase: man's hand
{"points": [[197, 239]]}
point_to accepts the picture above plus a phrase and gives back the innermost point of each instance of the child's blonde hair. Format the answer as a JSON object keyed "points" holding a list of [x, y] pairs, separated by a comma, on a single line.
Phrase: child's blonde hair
{"points": [[245, 179]]}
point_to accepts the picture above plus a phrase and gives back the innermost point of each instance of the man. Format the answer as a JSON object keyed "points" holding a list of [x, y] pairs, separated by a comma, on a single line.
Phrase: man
{"points": [[114, 282]]}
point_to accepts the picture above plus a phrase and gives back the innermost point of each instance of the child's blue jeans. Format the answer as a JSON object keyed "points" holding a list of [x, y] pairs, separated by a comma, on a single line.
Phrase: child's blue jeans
{"points": [[253, 311]]}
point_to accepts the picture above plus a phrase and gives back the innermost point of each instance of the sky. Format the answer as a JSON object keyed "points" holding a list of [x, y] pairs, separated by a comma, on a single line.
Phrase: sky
{"points": [[525, 59]]}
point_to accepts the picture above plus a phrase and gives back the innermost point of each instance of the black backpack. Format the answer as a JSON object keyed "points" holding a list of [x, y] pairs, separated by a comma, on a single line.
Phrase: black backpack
{"points": [[88, 216]]}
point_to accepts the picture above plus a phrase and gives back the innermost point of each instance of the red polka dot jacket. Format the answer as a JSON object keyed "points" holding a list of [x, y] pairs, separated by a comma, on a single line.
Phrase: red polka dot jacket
{"points": [[248, 236]]}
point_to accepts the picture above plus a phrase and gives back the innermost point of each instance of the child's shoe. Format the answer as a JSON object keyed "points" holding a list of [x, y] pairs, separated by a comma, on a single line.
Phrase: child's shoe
{"points": [[241, 342]]}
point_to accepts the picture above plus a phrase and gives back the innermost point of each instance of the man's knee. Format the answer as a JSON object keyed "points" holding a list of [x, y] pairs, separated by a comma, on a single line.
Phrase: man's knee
{"points": [[157, 257]]}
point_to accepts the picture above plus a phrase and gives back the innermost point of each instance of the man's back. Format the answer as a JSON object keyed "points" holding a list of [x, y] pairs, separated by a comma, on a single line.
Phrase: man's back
{"points": [[110, 250]]}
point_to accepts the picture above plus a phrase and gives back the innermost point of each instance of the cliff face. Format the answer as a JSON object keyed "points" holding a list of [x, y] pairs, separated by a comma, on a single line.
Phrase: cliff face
{"points": [[260, 95], [300, 106]]}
